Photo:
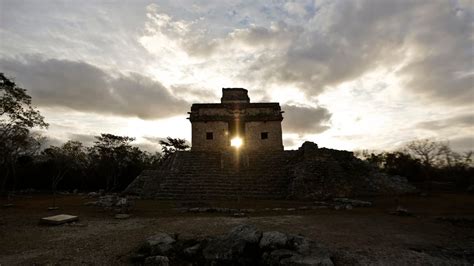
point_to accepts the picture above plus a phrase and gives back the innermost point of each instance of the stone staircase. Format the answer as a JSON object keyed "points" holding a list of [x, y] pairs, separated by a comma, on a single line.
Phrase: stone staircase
{"points": [[217, 175]]}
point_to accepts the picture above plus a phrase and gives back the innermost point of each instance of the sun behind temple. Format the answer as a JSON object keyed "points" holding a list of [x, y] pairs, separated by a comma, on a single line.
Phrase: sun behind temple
{"points": [[236, 122]]}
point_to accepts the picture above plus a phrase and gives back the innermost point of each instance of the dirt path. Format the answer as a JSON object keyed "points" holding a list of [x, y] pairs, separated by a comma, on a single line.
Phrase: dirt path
{"points": [[363, 235]]}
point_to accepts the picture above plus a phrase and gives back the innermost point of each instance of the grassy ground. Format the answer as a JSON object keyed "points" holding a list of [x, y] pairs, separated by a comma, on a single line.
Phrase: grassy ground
{"points": [[367, 235]]}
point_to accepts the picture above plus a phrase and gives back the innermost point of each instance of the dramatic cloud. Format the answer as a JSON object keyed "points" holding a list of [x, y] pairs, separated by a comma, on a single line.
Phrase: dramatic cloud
{"points": [[462, 121], [427, 43], [430, 41], [304, 120], [84, 87], [375, 66]]}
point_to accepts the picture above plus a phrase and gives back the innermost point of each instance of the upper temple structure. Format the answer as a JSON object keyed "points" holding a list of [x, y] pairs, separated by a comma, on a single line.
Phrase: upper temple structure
{"points": [[236, 122]]}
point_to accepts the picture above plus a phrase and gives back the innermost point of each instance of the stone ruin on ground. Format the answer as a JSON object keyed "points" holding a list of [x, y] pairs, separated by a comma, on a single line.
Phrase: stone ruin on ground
{"points": [[259, 167], [242, 245]]}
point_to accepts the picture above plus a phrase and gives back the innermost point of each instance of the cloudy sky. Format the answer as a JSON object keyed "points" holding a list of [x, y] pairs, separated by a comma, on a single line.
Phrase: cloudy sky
{"points": [[349, 74]]}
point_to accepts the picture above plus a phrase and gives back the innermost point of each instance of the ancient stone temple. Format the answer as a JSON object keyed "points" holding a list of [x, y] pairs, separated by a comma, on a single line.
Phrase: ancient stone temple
{"points": [[236, 122], [237, 152]]}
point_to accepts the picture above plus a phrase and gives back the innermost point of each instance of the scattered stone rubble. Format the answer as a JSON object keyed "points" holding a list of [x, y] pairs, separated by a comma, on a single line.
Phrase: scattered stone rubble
{"points": [[336, 203], [320, 173], [353, 202], [111, 202], [400, 211], [242, 245]]}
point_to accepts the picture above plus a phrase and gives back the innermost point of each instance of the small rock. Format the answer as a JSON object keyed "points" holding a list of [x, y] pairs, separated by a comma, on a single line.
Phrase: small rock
{"points": [[353, 202], [122, 216], [193, 209], [192, 251], [318, 207], [93, 194], [291, 209], [400, 211], [122, 202], [348, 207], [273, 240], [91, 203], [303, 208], [276, 209], [320, 203], [246, 232], [299, 243], [107, 201], [239, 214], [274, 257], [157, 261], [204, 209], [159, 244]]}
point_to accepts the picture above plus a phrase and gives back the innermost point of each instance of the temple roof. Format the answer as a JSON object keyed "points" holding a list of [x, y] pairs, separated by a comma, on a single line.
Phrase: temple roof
{"points": [[197, 106]]}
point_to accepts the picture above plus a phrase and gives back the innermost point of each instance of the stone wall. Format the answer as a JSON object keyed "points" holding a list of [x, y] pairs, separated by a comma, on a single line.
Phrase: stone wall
{"points": [[218, 111], [253, 135], [261, 111], [219, 132]]}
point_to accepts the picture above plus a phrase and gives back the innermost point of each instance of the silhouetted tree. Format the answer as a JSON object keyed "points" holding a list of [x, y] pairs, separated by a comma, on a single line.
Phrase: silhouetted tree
{"points": [[172, 145], [112, 156], [429, 152], [425, 161], [70, 156], [152, 160], [17, 117]]}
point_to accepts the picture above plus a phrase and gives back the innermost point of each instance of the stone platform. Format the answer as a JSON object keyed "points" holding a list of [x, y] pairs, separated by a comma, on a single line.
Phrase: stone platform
{"points": [[307, 173], [59, 219]]}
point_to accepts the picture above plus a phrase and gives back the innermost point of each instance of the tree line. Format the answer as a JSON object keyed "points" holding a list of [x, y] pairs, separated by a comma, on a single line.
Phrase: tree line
{"points": [[426, 162], [110, 164]]}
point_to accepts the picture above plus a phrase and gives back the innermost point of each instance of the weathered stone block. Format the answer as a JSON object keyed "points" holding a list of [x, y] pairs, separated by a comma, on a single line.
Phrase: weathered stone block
{"points": [[59, 219]]}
